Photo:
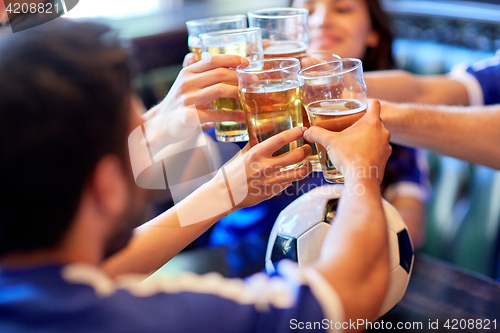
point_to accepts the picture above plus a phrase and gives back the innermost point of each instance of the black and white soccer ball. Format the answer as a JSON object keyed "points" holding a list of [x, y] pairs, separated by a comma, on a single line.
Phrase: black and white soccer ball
{"points": [[301, 227]]}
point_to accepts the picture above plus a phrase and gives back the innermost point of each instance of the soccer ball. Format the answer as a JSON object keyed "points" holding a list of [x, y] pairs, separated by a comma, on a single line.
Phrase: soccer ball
{"points": [[301, 227]]}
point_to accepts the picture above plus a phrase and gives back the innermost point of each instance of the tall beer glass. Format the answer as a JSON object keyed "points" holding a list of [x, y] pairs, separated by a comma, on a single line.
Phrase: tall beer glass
{"points": [[334, 94], [269, 94], [244, 43], [306, 60], [197, 27], [285, 32]]}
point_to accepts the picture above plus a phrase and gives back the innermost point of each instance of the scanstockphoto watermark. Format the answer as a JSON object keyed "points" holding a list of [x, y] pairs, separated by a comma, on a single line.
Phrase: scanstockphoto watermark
{"points": [[359, 324], [171, 151], [316, 180]]}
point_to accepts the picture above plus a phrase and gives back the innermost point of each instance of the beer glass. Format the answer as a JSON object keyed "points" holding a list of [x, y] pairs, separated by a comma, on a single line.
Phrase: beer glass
{"points": [[285, 32], [306, 60], [244, 43], [197, 27], [334, 94], [269, 94]]}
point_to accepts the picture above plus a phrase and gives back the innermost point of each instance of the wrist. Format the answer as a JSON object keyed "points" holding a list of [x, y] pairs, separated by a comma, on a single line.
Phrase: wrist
{"points": [[362, 184], [221, 192], [207, 204], [362, 170], [394, 115]]}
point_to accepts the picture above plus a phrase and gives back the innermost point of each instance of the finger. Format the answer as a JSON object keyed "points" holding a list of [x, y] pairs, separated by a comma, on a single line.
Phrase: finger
{"points": [[189, 59], [212, 93], [246, 148], [207, 116], [373, 110], [248, 78], [295, 174], [214, 76], [292, 157], [206, 126], [319, 135], [308, 61], [216, 61], [269, 146], [266, 43]]}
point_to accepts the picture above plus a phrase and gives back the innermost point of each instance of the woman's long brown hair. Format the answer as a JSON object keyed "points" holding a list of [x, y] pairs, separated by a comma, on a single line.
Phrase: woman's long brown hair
{"points": [[380, 56]]}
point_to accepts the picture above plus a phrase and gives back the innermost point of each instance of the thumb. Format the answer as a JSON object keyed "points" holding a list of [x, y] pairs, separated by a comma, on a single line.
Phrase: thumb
{"points": [[373, 109], [319, 135]]}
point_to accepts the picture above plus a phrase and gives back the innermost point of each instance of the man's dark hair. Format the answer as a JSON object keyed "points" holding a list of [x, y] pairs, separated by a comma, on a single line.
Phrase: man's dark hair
{"points": [[64, 89]]}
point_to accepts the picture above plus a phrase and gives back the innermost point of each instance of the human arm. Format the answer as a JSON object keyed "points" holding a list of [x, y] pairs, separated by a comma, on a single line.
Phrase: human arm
{"points": [[355, 257], [468, 133], [3, 13], [405, 186], [411, 210], [157, 241], [403, 87]]}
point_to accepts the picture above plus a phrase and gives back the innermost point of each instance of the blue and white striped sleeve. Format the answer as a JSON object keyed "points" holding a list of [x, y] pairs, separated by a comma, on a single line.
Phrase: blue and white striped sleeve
{"points": [[482, 80], [293, 299]]}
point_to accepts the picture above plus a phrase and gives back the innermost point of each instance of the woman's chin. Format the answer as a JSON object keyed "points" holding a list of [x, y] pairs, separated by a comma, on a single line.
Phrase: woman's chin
{"points": [[323, 47]]}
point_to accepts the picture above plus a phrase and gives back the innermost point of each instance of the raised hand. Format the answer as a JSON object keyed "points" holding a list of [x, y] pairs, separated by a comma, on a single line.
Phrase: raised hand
{"points": [[262, 177], [361, 150], [201, 83]]}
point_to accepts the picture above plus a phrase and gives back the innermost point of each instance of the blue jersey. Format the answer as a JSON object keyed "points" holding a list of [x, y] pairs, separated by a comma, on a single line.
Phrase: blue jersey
{"points": [[482, 80], [487, 73], [80, 298]]}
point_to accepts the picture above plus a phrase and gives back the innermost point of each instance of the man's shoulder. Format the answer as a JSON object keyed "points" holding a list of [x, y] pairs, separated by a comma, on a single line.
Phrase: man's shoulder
{"points": [[76, 296]]}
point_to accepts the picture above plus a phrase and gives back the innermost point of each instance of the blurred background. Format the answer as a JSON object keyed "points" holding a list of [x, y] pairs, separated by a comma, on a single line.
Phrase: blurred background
{"points": [[463, 210], [431, 36]]}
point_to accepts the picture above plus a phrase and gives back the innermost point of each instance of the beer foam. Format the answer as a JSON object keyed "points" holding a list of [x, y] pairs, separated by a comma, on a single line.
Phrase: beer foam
{"points": [[337, 107], [285, 47]]}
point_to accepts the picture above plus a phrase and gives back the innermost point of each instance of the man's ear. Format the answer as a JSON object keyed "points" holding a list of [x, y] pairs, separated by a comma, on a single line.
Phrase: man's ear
{"points": [[109, 186]]}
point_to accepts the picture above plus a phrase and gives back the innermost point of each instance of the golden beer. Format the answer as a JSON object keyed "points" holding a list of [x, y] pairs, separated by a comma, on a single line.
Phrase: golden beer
{"points": [[197, 52], [271, 108], [334, 115], [318, 92], [284, 49], [229, 131]]}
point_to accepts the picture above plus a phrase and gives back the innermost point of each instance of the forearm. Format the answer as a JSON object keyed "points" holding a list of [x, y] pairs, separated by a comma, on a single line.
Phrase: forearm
{"points": [[404, 87], [157, 241], [412, 211], [355, 256], [392, 85], [468, 133]]}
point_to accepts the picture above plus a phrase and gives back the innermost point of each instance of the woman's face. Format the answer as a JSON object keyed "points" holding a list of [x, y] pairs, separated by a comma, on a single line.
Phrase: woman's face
{"points": [[342, 27]]}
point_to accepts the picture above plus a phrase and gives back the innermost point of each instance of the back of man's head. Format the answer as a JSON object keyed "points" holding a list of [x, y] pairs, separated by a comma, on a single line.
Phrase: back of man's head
{"points": [[64, 89]]}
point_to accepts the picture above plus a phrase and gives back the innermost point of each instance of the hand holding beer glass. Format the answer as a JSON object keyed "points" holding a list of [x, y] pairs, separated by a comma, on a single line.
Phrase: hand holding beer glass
{"points": [[306, 60], [334, 94], [245, 43], [269, 95], [285, 32]]}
